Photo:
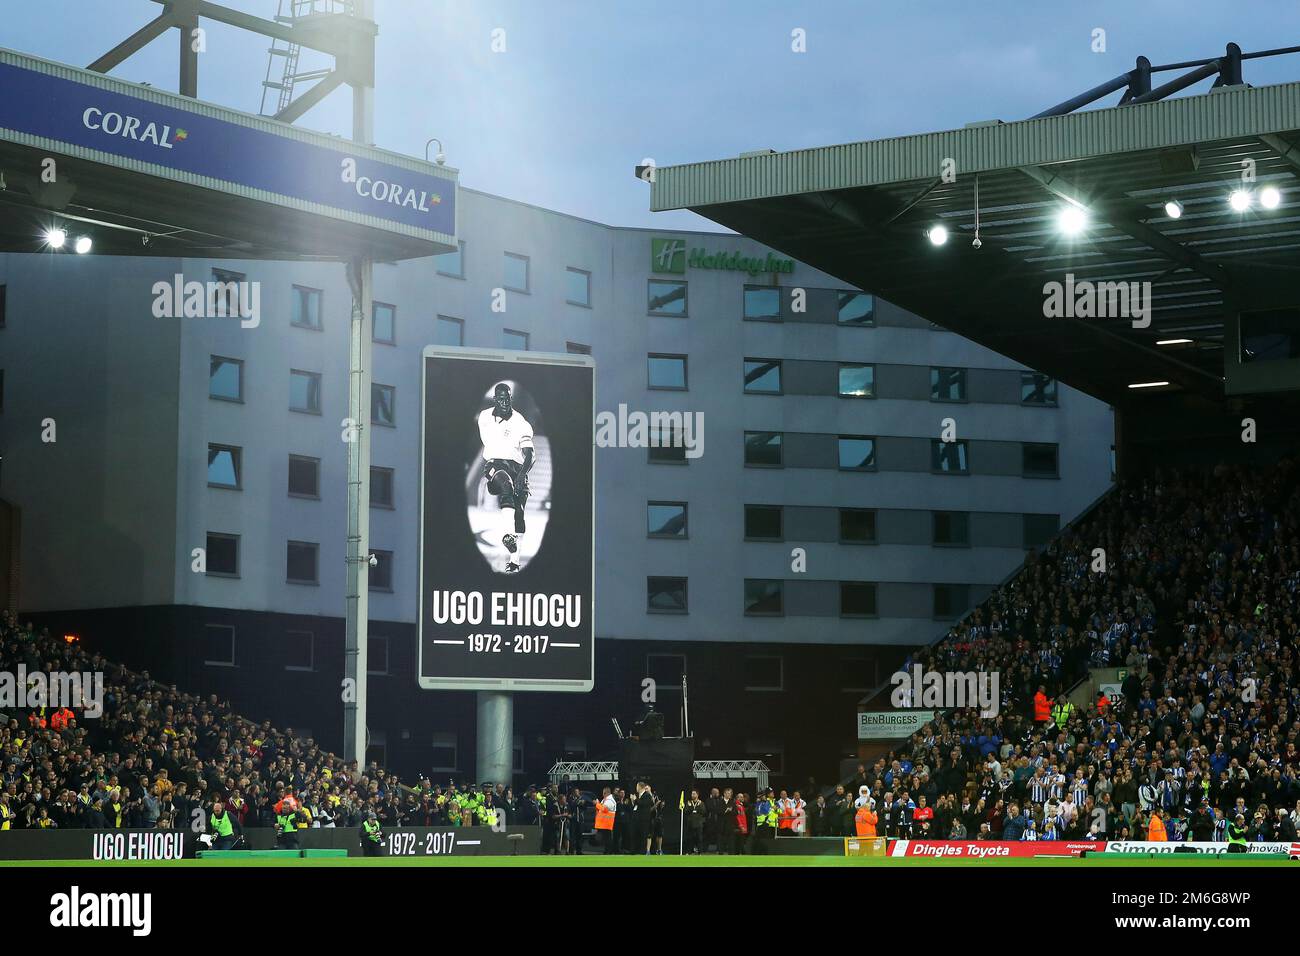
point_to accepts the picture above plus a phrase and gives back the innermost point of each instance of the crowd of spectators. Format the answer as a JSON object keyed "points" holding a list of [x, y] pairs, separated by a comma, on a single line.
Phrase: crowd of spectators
{"points": [[1190, 581]]}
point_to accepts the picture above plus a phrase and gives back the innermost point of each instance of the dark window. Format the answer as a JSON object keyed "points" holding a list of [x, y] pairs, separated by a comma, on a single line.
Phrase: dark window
{"points": [[666, 595], [381, 572], [219, 644], [949, 600], [763, 376], [857, 381], [951, 528], [764, 522], [226, 299], [2, 305], [299, 650], [666, 445], [763, 672], [1039, 529], [666, 519], [1037, 389], [763, 448], [304, 476], [857, 308], [666, 297], [384, 323], [451, 263], [516, 272], [304, 392], [666, 371], [762, 303], [226, 379], [448, 331], [857, 599], [510, 339], [442, 756], [857, 525], [577, 348], [764, 597], [301, 562], [225, 466], [383, 405], [306, 307], [1039, 460], [1270, 336], [222, 554], [857, 453], [381, 487], [947, 384], [577, 286], [949, 457], [377, 655]]}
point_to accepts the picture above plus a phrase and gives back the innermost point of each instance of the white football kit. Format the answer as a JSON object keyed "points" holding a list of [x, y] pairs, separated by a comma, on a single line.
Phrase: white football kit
{"points": [[504, 438]]}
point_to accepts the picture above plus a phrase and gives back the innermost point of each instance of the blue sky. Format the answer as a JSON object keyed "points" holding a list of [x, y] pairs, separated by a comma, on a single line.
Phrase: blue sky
{"points": [[585, 90]]}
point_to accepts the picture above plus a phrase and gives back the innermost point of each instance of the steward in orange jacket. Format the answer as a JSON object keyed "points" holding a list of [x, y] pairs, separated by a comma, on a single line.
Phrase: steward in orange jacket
{"points": [[865, 821], [1042, 707], [1156, 829]]}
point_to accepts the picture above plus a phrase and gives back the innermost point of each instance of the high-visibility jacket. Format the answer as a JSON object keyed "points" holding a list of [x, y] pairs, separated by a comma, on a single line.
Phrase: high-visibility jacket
{"points": [[1061, 714], [604, 816], [787, 815], [371, 828], [222, 826], [1103, 704], [1156, 831], [288, 821], [865, 821], [5, 816], [1042, 708], [1236, 834]]}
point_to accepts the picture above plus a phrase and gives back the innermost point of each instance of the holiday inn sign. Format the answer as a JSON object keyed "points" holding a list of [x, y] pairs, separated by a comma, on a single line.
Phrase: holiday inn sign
{"points": [[671, 255]]}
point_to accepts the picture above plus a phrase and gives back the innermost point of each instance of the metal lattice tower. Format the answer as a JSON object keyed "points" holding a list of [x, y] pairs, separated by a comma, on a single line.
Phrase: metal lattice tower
{"points": [[294, 13]]}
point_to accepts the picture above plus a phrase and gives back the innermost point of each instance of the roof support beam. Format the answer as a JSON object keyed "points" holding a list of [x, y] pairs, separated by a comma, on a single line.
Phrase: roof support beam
{"points": [[136, 42], [1129, 224], [1285, 151]]}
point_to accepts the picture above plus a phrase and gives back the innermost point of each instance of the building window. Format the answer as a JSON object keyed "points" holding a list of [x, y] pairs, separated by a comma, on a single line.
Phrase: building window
{"points": [[516, 273], [762, 303], [443, 756], [1037, 389], [2, 305], [448, 331], [763, 376], [510, 339], [304, 392], [226, 299], [574, 747], [857, 453], [301, 563], [666, 297], [666, 372], [666, 446], [666, 595], [1040, 461], [222, 554], [381, 487], [381, 572], [666, 670], [299, 650], [857, 308], [577, 348], [304, 476], [451, 264], [857, 381], [949, 600], [764, 672], [1039, 529], [949, 457], [226, 379], [383, 405], [763, 448], [857, 599], [666, 519], [577, 284], [764, 597], [224, 466], [383, 319], [857, 526], [517, 754], [764, 523], [376, 654], [951, 528], [947, 384], [306, 308], [219, 645]]}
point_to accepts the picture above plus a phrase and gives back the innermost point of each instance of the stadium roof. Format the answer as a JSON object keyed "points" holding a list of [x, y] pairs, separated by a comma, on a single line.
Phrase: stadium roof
{"points": [[862, 212]]}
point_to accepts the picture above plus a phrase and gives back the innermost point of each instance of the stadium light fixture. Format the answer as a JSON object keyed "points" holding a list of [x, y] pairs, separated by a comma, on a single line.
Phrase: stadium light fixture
{"points": [[1173, 209], [1072, 220], [1174, 342], [1147, 384], [55, 238], [937, 235], [1270, 197], [83, 245], [1239, 200]]}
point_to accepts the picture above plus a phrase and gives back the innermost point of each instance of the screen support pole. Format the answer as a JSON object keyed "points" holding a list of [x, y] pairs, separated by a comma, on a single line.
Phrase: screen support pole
{"points": [[496, 739]]}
